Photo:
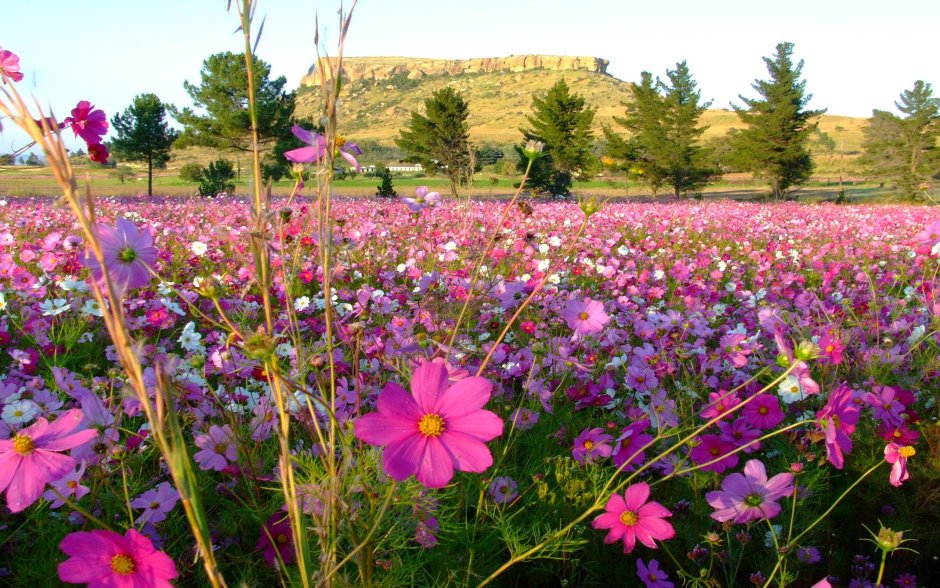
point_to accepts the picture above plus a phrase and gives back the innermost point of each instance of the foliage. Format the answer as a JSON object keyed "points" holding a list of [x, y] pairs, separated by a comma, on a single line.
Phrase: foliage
{"points": [[562, 121], [440, 139], [217, 178], [486, 155], [386, 189], [773, 146], [226, 125], [664, 143], [904, 150], [191, 172], [142, 134]]}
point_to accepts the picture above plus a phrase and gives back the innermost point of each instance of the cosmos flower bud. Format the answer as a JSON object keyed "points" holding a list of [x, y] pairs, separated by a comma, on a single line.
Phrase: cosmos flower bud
{"points": [[806, 350], [259, 345], [533, 149], [590, 205]]}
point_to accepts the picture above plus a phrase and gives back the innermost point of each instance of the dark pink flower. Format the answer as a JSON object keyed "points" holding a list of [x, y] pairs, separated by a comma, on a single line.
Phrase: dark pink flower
{"points": [[837, 420], [628, 446], [712, 448], [434, 430], [736, 353], [830, 349], [749, 497], [98, 153], [30, 459], [585, 316], [10, 66], [128, 255], [897, 456], [630, 517], [763, 412], [105, 559], [591, 445], [276, 542], [88, 124]]}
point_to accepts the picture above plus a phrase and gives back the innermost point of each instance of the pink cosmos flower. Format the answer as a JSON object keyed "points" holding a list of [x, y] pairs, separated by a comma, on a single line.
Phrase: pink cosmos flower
{"points": [[9, 66], [749, 497], [30, 460], [929, 239], [830, 349], [422, 199], [105, 559], [591, 445], [837, 420], [631, 517], [585, 316], [98, 153], [276, 543], [434, 430], [88, 124], [128, 255], [711, 448], [316, 148], [217, 448], [763, 412], [897, 456], [627, 447], [733, 350]]}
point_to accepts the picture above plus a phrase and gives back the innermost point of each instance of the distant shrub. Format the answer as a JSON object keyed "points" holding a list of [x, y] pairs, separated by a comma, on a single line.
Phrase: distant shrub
{"points": [[191, 172], [217, 178], [386, 188]]}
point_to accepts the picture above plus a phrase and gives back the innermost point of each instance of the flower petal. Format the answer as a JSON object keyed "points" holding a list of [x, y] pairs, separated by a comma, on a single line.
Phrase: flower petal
{"points": [[482, 424], [428, 384], [402, 457], [468, 453], [380, 429], [34, 473], [464, 397], [636, 495], [437, 467]]}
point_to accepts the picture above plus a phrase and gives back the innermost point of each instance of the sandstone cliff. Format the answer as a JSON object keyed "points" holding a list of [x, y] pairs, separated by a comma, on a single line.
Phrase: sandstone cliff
{"points": [[384, 68]]}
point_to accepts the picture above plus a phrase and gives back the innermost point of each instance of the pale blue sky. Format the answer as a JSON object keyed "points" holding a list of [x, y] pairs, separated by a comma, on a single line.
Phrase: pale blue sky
{"points": [[859, 54]]}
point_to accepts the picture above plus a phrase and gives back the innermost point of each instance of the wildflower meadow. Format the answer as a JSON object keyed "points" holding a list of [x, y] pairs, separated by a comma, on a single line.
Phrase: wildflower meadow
{"points": [[317, 390]]}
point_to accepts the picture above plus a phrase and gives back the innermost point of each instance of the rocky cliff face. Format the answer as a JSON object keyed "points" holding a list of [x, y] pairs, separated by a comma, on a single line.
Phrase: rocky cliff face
{"points": [[383, 68]]}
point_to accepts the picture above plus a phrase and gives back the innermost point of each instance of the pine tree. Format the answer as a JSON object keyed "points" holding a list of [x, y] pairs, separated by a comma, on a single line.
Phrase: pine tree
{"points": [[665, 136], [386, 188], [773, 146], [144, 135], [440, 139], [904, 150], [562, 121]]}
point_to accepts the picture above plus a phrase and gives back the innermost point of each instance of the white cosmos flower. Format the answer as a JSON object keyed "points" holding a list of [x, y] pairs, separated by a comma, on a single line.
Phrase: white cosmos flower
{"points": [[19, 412], [301, 304], [91, 307], [54, 307], [199, 248], [790, 390], [190, 339]]}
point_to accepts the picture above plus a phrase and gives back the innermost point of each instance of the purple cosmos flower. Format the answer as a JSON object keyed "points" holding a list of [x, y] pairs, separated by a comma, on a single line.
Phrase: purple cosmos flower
{"points": [[628, 444], [651, 575], [591, 445], [316, 148], [422, 199], [128, 255], [69, 487], [585, 316], [276, 543], [749, 497], [733, 350], [156, 503], [434, 430], [837, 420], [641, 378], [217, 448], [503, 490], [886, 407]]}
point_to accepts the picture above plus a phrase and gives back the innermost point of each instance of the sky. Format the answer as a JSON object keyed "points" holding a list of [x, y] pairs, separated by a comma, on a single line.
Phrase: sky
{"points": [[859, 55]]}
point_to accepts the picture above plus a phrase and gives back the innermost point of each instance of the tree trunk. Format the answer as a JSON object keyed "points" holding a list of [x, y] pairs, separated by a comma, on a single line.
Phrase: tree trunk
{"points": [[150, 176]]}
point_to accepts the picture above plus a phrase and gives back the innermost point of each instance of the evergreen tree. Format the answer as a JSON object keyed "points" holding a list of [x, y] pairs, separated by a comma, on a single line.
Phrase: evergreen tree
{"points": [[773, 146], [904, 150], [217, 178], [663, 122], [440, 139], [142, 134], [226, 124], [562, 122], [386, 188]]}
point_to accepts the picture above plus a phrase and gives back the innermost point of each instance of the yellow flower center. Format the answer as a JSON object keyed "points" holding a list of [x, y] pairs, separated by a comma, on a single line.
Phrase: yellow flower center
{"points": [[907, 451], [23, 445], [629, 518], [583, 316], [431, 425], [829, 348], [588, 444], [763, 410], [340, 141], [281, 538], [122, 564]]}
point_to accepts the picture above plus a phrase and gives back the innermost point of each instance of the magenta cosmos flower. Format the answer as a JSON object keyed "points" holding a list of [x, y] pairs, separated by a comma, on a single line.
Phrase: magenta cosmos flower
{"points": [[9, 66], [422, 199], [30, 459], [105, 559], [585, 316], [87, 123], [434, 430], [631, 517], [316, 148], [128, 254], [749, 497], [837, 420], [897, 456]]}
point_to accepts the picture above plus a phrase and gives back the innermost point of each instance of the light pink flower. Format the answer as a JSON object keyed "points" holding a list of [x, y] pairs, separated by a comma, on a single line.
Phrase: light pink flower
{"points": [[434, 430], [585, 316], [316, 148], [631, 517], [105, 559], [897, 456], [30, 459], [9, 66], [422, 199]]}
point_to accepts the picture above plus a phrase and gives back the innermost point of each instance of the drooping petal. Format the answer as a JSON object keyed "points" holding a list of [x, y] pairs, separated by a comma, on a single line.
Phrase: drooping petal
{"points": [[303, 154], [428, 384], [469, 453], [464, 397], [437, 466], [351, 159]]}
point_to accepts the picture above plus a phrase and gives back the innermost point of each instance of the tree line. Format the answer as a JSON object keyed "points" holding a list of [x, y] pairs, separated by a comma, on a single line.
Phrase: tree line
{"points": [[657, 141]]}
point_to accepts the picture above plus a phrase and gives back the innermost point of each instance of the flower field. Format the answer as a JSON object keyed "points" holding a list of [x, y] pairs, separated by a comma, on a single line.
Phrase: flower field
{"points": [[532, 394]]}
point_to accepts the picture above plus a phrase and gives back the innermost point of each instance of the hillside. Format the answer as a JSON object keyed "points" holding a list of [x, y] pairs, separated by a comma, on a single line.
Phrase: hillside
{"points": [[381, 92]]}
